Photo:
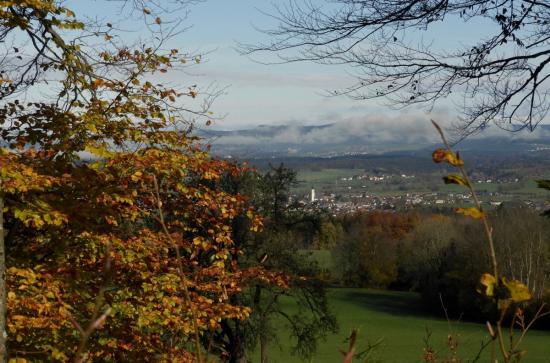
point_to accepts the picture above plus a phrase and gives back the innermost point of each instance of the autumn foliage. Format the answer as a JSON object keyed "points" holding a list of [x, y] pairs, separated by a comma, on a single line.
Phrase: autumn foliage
{"points": [[108, 211], [119, 242]]}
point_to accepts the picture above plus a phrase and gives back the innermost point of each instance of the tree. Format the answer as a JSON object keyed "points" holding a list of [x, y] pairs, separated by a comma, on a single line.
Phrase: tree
{"points": [[287, 228], [119, 234], [134, 239], [347, 261], [329, 234], [441, 259], [521, 237], [502, 75], [368, 252], [423, 250]]}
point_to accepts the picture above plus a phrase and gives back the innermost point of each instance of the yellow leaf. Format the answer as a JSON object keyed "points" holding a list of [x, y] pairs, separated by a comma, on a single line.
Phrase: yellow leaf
{"points": [[518, 291], [99, 150], [146, 11], [56, 354], [471, 212], [440, 155], [157, 20], [455, 179], [136, 176], [489, 283]]}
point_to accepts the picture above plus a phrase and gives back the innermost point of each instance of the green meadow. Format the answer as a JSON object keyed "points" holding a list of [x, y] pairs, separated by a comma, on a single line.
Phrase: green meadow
{"points": [[398, 321]]}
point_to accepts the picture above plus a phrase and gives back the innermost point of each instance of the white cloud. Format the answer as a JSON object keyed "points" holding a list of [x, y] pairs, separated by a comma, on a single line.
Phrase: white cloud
{"points": [[370, 130], [374, 129]]}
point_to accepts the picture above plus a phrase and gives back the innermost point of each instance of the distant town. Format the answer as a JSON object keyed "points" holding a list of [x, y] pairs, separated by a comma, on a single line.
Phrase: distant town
{"points": [[361, 192]]}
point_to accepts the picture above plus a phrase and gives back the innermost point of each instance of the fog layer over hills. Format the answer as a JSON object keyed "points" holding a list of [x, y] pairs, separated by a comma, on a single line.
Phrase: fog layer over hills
{"points": [[362, 135]]}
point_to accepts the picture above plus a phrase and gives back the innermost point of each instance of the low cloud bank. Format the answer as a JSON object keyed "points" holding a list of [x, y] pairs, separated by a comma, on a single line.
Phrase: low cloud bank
{"points": [[407, 129]]}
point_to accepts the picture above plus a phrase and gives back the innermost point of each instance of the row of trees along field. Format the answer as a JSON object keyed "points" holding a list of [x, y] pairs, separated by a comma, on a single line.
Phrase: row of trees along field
{"points": [[438, 255], [123, 239]]}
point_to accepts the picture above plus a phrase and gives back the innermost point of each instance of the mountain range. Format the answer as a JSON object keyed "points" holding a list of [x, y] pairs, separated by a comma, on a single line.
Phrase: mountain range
{"points": [[355, 138]]}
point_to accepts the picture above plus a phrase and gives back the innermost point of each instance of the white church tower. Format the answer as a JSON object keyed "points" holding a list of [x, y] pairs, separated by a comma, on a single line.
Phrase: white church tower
{"points": [[312, 195]]}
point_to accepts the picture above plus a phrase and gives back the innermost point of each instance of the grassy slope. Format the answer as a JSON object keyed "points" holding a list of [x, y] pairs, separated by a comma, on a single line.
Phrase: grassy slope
{"points": [[397, 318]]}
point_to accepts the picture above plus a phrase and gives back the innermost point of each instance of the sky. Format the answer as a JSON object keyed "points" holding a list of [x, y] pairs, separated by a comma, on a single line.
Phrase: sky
{"points": [[253, 93], [284, 93], [295, 94], [258, 93]]}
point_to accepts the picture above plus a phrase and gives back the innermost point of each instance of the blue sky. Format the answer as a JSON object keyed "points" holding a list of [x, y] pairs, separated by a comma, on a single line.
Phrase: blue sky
{"points": [[287, 93], [275, 94], [253, 93], [258, 93]]}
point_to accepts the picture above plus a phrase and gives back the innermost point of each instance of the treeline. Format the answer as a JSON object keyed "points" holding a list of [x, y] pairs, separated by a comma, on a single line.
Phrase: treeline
{"points": [[499, 164], [440, 256]]}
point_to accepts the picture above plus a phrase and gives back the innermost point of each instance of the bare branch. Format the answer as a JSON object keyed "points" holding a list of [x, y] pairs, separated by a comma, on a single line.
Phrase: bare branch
{"points": [[501, 76]]}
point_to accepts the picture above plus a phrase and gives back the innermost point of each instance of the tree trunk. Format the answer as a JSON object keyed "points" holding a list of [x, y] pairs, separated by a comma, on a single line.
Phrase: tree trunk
{"points": [[263, 325], [238, 353], [3, 310], [235, 345]]}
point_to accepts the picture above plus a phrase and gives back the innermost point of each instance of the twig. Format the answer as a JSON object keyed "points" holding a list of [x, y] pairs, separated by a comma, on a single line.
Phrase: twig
{"points": [[488, 229], [348, 356], [481, 349], [97, 318], [80, 357], [489, 233], [539, 314]]}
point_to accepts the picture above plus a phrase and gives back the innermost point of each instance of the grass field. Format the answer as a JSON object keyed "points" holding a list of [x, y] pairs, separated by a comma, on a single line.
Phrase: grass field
{"points": [[398, 319]]}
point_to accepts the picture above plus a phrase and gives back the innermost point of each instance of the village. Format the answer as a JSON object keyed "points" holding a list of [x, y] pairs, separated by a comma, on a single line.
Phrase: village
{"points": [[361, 193]]}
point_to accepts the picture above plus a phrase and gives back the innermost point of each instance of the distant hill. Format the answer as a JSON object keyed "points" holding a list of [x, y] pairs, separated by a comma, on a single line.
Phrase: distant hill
{"points": [[353, 138]]}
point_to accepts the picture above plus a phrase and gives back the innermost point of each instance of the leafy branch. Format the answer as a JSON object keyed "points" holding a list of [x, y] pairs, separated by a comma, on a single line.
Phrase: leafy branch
{"points": [[98, 318], [181, 273], [504, 293]]}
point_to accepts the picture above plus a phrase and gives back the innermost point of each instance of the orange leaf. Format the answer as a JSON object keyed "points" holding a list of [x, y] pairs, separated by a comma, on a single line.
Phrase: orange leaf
{"points": [[440, 155]]}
